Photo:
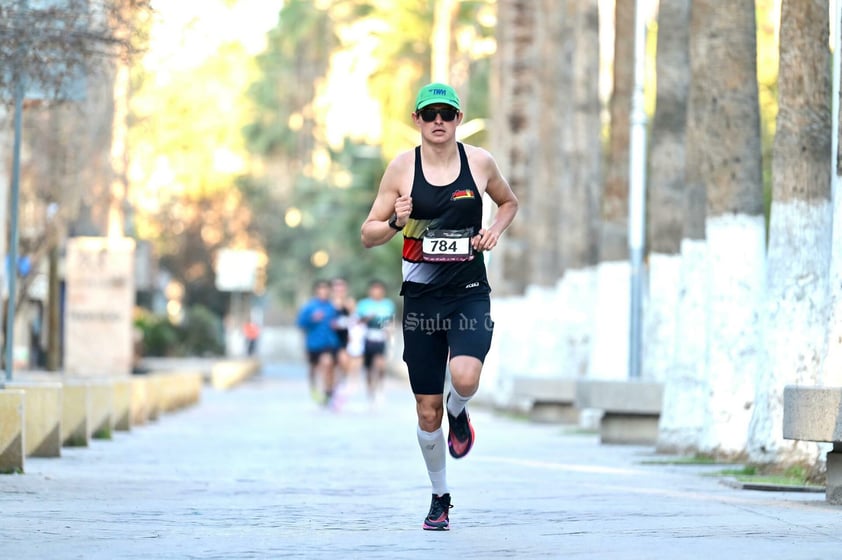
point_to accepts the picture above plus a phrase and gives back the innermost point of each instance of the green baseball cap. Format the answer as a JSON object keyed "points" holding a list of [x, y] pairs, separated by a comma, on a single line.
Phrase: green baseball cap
{"points": [[436, 93]]}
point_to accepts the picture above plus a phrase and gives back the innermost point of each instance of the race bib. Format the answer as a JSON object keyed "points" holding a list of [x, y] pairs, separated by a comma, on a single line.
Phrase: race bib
{"points": [[447, 245]]}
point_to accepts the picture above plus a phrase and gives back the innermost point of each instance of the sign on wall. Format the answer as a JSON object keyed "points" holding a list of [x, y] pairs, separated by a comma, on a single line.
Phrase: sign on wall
{"points": [[236, 270], [100, 297]]}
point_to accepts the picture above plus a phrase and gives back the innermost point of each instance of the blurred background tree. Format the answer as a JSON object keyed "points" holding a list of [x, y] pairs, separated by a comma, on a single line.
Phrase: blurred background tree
{"points": [[68, 53], [280, 148], [319, 168]]}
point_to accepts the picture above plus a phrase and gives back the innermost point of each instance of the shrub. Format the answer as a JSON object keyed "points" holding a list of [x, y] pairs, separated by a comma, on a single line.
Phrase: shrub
{"points": [[202, 333], [160, 337]]}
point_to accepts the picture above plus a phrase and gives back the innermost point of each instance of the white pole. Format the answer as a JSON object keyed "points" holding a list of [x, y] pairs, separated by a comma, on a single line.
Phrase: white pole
{"points": [[637, 192], [14, 204]]}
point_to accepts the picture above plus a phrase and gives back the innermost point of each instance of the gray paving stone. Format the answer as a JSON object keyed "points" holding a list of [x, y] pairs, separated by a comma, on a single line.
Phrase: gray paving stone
{"points": [[261, 472]]}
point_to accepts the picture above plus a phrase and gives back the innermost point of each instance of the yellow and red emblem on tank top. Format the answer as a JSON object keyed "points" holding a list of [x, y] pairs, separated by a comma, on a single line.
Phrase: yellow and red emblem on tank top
{"points": [[462, 194]]}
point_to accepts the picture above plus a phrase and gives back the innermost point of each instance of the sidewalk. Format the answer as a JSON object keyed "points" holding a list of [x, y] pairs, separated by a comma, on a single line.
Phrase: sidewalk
{"points": [[262, 472]]}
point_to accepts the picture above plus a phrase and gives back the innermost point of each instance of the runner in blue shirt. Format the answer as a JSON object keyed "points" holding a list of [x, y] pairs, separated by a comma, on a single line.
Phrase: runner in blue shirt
{"points": [[316, 319]]}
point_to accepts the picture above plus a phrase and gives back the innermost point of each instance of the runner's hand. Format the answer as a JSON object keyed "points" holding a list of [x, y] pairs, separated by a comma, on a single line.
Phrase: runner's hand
{"points": [[485, 240], [403, 208]]}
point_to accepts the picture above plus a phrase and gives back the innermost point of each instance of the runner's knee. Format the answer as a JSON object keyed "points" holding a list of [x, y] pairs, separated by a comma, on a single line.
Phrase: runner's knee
{"points": [[464, 374], [430, 409]]}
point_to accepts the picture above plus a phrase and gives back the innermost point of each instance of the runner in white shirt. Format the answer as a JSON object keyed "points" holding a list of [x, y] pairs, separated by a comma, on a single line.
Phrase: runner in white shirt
{"points": [[376, 312]]}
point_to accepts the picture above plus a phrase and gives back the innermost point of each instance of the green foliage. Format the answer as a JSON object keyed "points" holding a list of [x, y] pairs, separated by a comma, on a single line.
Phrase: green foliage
{"points": [[697, 459], [75, 441], [794, 475], [160, 337], [189, 251], [285, 133], [102, 433], [741, 471], [182, 122], [200, 334], [297, 54], [332, 216], [187, 149], [404, 54]]}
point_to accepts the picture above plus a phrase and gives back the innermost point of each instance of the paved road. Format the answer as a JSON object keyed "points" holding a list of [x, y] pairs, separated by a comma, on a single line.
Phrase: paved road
{"points": [[262, 472]]}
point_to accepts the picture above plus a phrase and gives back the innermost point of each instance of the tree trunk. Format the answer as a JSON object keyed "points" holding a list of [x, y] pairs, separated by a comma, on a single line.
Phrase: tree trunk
{"points": [[119, 160], [800, 229], [552, 172], [667, 157], [735, 226], [615, 197], [580, 211], [97, 112], [514, 136], [666, 209], [53, 313], [683, 414]]}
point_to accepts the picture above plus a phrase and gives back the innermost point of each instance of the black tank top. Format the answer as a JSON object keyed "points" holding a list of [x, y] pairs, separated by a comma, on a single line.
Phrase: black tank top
{"points": [[455, 206]]}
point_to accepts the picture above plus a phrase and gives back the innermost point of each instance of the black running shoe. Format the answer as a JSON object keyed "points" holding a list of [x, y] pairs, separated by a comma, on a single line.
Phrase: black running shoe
{"points": [[460, 438], [438, 519]]}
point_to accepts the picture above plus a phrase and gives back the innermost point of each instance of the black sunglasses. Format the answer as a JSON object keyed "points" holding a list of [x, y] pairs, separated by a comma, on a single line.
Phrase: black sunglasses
{"points": [[429, 115]]}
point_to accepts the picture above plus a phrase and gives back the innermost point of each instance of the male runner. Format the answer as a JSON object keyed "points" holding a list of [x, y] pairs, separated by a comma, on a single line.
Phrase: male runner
{"points": [[433, 195]]}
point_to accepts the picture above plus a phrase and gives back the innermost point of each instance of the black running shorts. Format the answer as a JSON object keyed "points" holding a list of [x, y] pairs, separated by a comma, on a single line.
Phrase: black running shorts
{"points": [[372, 349], [435, 327], [314, 356]]}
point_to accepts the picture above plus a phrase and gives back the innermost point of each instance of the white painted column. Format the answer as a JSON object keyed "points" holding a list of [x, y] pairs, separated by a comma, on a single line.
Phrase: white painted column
{"points": [[659, 316], [832, 373], [609, 353], [737, 285], [684, 408]]}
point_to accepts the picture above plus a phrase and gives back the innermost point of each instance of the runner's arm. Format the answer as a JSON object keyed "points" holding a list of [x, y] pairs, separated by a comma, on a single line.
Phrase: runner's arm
{"points": [[507, 205], [376, 230]]}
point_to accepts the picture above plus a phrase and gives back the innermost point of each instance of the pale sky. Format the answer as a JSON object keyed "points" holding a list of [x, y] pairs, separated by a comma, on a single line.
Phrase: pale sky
{"points": [[185, 33]]}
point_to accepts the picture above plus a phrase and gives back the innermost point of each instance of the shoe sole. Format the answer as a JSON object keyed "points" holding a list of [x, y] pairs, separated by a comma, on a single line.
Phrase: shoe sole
{"points": [[470, 442], [434, 528]]}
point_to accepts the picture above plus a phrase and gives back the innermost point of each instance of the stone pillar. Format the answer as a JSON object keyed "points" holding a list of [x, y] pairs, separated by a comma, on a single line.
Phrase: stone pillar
{"points": [[11, 431], [834, 474], [42, 418]]}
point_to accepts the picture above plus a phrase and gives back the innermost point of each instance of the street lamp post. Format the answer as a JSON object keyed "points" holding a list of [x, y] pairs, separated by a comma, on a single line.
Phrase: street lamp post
{"points": [[637, 193], [18, 81]]}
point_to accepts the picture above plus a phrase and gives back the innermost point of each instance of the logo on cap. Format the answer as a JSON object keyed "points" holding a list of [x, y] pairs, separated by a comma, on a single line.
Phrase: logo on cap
{"points": [[436, 93]]}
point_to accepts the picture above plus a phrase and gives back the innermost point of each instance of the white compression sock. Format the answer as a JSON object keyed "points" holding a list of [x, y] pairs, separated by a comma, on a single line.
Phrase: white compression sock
{"points": [[432, 448], [456, 402]]}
